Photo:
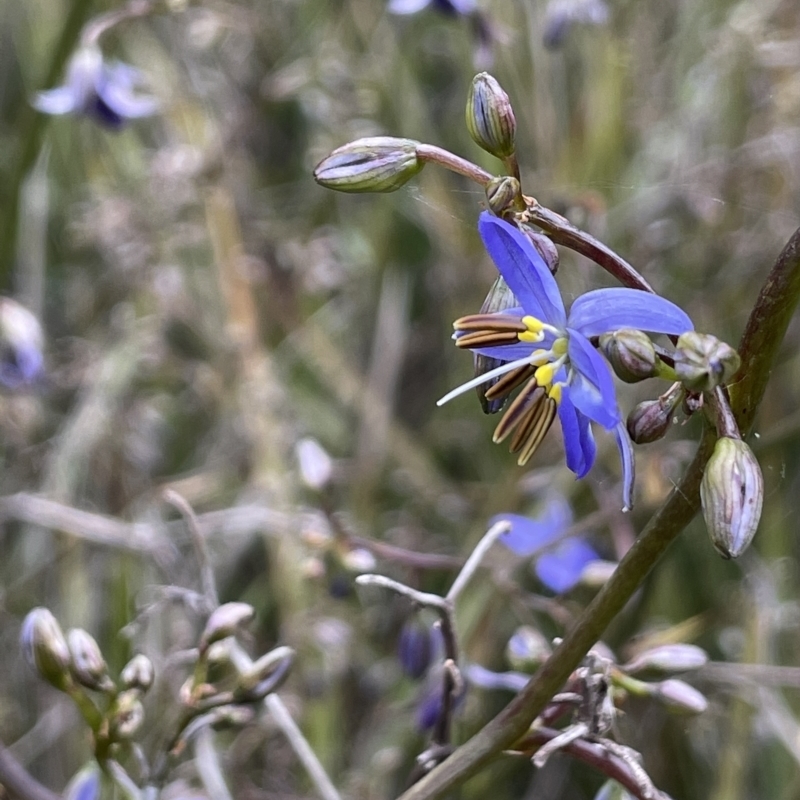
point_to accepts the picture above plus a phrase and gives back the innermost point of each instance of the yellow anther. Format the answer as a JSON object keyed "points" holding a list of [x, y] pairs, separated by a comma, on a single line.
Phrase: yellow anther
{"points": [[544, 375], [539, 357], [530, 336], [560, 346], [532, 324], [554, 392]]}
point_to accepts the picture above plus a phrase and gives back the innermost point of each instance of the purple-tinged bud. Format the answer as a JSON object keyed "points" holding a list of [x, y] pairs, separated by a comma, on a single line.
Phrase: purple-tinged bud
{"points": [[650, 420], [490, 118], [21, 345], [415, 648], [127, 716], [631, 354], [703, 362], [527, 649], [138, 673], [85, 784], [224, 621], [87, 664], [45, 648], [374, 164], [544, 247], [679, 697], [500, 298], [265, 675], [732, 493], [667, 658], [503, 194]]}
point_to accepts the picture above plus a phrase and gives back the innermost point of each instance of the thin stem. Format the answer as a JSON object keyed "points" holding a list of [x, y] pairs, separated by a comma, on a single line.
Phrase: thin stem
{"points": [[420, 598], [760, 343], [301, 747], [436, 155], [473, 562]]}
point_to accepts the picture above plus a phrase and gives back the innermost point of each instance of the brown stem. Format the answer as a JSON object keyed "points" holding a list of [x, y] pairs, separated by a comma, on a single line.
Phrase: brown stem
{"points": [[448, 160]]}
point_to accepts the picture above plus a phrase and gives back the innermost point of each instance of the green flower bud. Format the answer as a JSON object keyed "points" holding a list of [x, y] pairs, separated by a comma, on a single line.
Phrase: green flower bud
{"points": [[649, 421], [527, 649], [87, 664], [224, 621], [504, 194], [500, 298], [732, 493], [679, 697], [703, 362], [490, 117], [668, 658], [374, 164], [45, 647], [631, 354], [127, 717], [138, 673]]}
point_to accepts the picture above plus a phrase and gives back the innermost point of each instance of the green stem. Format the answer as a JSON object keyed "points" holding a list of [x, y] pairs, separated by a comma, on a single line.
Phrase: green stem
{"points": [[760, 343], [30, 127]]}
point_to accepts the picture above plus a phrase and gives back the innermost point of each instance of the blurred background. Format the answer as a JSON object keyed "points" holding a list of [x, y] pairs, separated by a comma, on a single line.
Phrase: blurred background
{"points": [[207, 309]]}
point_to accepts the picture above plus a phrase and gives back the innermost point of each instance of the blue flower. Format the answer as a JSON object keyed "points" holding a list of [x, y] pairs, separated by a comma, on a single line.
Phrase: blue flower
{"points": [[559, 564], [551, 352], [104, 92], [21, 345], [461, 8]]}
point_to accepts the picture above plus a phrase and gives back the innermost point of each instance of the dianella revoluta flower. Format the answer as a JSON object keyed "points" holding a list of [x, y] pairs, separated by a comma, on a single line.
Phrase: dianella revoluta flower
{"points": [[549, 352], [96, 89], [559, 564]]}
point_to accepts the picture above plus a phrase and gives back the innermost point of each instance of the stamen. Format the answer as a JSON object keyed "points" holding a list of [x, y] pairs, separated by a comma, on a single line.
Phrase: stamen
{"points": [[509, 382], [527, 425], [489, 322], [486, 339], [536, 436], [523, 404]]}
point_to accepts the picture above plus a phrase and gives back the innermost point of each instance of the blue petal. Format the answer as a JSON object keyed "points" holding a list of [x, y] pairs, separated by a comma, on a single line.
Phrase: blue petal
{"points": [[123, 102], [606, 310], [628, 464], [591, 386], [523, 269], [579, 444], [527, 535], [61, 100], [506, 352], [561, 569], [407, 6]]}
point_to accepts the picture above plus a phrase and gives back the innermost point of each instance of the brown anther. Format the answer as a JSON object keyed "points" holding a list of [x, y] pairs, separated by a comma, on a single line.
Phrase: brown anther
{"points": [[522, 405], [486, 339], [499, 323], [508, 382]]}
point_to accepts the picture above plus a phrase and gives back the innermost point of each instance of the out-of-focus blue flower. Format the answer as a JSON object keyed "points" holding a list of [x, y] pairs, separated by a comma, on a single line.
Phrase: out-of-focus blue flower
{"points": [[561, 15], [462, 8], [416, 647], [21, 345], [429, 708], [560, 566], [104, 92], [550, 352]]}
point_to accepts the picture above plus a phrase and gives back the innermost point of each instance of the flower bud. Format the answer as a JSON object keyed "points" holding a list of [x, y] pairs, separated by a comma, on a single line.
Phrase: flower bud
{"points": [[668, 658], [650, 420], [21, 345], [731, 493], [527, 649], [703, 362], [224, 621], [87, 664], [374, 164], [138, 673], [45, 647], [490, 118], [631, 354], [316, 466], [500, 298], [503, 194], [679, 697], [265, 675], [127, 717], [544, 247], [415, 648]]}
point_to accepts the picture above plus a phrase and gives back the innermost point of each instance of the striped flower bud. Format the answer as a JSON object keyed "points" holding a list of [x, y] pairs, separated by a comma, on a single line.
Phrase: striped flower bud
{"points": [[503, 194], [631, 354], [45, 647], [703, 362], [732, 493], [87, 664], [490, 118], [374, 164]]}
